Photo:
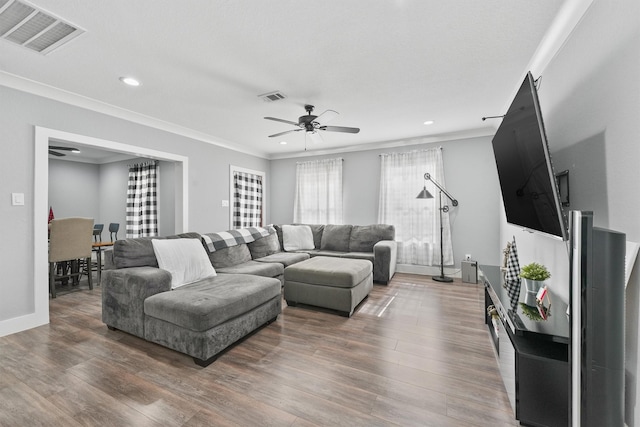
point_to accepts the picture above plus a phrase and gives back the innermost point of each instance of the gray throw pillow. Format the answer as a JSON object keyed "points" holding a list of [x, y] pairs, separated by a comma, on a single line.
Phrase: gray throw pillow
{"points": [[336, 237], [230, 256], [265, 246]]}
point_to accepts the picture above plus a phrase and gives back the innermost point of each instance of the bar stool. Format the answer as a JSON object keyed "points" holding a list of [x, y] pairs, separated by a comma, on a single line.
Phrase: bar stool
{"points": [[113, 230], [97, 232]]}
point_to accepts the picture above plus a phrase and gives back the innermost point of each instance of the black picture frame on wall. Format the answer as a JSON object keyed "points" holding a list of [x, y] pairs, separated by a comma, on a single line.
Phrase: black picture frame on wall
{"points": [[562, 179]]}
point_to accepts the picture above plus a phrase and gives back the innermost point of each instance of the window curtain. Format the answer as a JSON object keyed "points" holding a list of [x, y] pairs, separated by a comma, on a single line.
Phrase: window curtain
{"points": [[142, 200], [417, 221], [247, 200], [318, 197]]}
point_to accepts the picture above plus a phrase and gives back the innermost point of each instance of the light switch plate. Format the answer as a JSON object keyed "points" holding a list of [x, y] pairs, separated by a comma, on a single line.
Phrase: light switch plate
{"points": [[17, 199], [225, 203]]}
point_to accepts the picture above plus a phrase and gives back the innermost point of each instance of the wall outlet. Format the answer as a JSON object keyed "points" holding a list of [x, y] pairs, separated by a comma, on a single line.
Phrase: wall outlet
{"points": [[467, 257]]}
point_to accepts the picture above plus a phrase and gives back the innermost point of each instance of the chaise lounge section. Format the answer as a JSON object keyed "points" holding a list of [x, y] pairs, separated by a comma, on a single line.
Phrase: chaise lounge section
{"points": [[200, 319]]}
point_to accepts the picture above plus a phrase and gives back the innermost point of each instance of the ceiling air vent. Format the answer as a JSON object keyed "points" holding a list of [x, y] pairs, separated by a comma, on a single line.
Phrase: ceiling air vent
{"points": [[272, 96], [34, 28]]}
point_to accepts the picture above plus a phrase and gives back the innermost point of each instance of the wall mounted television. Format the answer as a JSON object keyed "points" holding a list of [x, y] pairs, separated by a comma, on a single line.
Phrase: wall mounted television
{"points": [[527, 179]]}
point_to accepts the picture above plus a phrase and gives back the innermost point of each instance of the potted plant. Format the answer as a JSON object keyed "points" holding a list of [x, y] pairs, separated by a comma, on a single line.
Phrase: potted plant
{"points": [[533, 275]]}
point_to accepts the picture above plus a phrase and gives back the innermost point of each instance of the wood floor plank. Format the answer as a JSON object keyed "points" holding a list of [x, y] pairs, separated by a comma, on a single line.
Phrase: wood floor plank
{"points": [[415, 353]]}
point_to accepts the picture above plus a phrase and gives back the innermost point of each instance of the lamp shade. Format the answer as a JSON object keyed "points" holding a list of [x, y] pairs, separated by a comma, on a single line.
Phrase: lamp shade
{"points": [[424, 194]]}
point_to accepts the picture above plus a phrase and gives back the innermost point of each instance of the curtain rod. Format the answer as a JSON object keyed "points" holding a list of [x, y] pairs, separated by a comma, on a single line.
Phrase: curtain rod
{"points": [[411, 151], [151, 162], [321, 160]]}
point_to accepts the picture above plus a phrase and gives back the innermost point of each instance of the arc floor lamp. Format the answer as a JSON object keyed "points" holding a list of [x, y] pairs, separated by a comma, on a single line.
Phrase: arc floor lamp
{"points": [[424, 194]]}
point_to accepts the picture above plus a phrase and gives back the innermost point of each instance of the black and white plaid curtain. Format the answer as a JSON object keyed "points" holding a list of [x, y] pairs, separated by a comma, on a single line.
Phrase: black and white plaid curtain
{"points": [[142, 200], [247, 200]]}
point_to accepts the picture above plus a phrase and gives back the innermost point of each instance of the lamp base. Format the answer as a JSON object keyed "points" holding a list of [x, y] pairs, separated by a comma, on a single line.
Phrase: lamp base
{"points": [[442, 279]]}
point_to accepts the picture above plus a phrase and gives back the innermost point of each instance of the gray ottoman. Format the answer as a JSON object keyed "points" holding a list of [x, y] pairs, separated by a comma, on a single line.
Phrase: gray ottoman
{"points": [[335, 283]]}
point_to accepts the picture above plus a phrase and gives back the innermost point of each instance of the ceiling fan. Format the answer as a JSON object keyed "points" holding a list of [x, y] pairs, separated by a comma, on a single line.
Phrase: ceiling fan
{"points": [[53, 150], [311, 124]]}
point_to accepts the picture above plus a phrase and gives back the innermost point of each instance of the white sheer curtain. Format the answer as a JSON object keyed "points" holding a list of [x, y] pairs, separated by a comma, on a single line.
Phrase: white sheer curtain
{"points": [[318, 198], [417, 221]]}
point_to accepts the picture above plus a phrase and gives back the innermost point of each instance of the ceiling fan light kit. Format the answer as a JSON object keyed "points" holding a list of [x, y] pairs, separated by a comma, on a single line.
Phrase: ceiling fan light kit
{"points": [[312, 124]]}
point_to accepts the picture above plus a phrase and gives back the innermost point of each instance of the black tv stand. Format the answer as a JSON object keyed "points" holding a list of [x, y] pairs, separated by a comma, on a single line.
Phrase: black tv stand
{"points": [[533, 356]]}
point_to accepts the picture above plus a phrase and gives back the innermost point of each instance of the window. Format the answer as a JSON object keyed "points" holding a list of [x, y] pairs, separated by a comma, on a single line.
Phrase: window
{"points": [[318, 198], [417, 221]]}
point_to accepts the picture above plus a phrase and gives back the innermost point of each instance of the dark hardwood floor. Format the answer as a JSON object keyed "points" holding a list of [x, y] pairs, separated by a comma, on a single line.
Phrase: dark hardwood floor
{"points": [[415, 353]]}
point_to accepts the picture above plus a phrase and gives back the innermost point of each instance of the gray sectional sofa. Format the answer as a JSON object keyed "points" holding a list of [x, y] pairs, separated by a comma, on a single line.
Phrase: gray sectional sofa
{"points": [[205, 317]]}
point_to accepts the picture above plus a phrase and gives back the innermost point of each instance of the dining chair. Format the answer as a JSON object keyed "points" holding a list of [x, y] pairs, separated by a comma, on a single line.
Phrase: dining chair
{"points": [[97, 232], [69, 247], [113, 230]]}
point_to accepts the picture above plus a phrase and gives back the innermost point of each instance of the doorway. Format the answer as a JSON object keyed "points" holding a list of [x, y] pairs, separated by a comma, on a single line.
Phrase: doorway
{"points": [[43, 136]]}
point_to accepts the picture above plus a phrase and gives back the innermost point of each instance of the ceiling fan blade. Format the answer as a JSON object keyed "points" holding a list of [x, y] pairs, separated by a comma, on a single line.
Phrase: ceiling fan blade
{"points": [[284, 133], [52, 147], [289, 122], [326, 116], [315, 137], [340, 129], [55, 153]]}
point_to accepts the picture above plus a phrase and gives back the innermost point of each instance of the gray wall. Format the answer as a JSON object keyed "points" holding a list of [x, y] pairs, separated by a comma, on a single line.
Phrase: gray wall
{"points": [[21, 111], [74, 189], [470, 176], [590, 99]]}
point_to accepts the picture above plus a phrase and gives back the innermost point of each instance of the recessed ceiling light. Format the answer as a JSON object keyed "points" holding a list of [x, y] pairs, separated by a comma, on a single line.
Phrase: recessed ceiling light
{"points": [[429, 122], [130, 81], [76, 151], [283, 142]]}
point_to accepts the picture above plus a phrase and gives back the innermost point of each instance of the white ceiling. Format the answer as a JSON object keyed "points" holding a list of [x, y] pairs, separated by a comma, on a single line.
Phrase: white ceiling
{"points": [[386, 66]]}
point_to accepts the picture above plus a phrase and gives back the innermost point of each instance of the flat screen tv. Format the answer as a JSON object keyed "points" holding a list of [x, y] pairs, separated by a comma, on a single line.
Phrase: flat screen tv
{"points": [[527, 179]]}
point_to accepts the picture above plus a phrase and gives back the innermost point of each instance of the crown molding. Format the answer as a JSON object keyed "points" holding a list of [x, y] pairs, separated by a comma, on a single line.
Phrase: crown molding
{"points": [[36, 88]]}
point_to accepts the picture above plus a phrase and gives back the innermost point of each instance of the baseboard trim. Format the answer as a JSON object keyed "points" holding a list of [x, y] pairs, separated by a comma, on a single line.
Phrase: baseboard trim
{"points": [[427, 270]]}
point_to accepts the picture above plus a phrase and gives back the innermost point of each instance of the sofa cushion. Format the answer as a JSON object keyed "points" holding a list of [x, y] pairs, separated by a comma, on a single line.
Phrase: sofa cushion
{"points": [[266, 269], [317, 230], [230, 256], [284, 258], [337, 254], [185, 259], [210, 302], [364, 237], [296, 237], [265, 246], [360, 255], [336, 237], [139, 252]]}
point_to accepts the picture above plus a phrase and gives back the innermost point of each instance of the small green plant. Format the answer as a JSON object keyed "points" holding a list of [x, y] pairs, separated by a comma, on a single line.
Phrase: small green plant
{"points": [[535, 271]]}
